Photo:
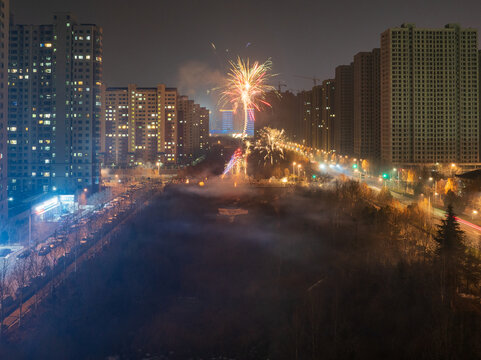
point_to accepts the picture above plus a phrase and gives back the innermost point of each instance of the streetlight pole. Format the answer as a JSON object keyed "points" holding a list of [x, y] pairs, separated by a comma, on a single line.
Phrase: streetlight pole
{"points": [[30, 228]]}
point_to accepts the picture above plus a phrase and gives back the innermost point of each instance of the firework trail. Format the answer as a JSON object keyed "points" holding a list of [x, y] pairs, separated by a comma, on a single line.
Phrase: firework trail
{"points": [[246, 86], [236, 157]]}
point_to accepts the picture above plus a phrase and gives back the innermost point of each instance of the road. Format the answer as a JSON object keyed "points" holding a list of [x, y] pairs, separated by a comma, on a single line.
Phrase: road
{"points": [[472, 230], [77, 238]]}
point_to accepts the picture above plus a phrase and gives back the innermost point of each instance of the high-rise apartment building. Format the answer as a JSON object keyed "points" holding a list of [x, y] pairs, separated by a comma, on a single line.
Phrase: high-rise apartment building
{"points": [[4, 34], [55, 75], [144, 126], [367, 105], [188, 121], [144, 111], [204, 121], [305, 110], [429, 95], [328, 116], [193, 131], [139, 125], [227, 117], [343, 124], [167, 131], [115, 145], [315, 125]]}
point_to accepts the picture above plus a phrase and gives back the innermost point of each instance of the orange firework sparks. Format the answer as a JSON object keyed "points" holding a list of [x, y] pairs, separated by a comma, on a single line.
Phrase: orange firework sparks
{"points": [[246, 85]]}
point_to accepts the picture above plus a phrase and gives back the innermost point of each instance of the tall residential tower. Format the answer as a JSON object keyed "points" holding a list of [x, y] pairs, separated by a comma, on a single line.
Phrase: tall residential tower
{"points": [[429, 95], [4, 26], [55, 75], [367, 105]]}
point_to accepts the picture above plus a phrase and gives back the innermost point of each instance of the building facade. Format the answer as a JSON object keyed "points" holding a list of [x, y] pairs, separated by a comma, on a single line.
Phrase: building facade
{"points": [[187, 128], [326, 127], [429, 95], [115, 145], [204, 121], [304, 115], [55, 76], [4, 35], [343, 126], [227, 119], [147, 126], [367, 105]]}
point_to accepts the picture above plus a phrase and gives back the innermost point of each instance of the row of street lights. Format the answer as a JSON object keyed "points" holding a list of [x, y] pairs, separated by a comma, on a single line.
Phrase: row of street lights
{"points": [[299, 166]]}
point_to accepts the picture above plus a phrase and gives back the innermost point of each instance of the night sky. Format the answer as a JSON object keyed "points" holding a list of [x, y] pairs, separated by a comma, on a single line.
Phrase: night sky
{"points": [[155, 41]]}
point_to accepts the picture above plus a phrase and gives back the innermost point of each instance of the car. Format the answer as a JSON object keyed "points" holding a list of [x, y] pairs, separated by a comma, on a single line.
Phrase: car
{"points": [[24, 254], [5, 252], [44, 250]]}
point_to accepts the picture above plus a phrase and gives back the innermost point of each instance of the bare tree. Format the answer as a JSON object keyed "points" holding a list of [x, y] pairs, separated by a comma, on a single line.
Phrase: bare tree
{"points": [[35, 268], [4, 289], [20, 275]]}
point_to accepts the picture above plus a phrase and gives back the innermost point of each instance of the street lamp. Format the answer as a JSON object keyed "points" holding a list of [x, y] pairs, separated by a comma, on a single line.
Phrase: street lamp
{"points": [[299, 170], [293, 168]]}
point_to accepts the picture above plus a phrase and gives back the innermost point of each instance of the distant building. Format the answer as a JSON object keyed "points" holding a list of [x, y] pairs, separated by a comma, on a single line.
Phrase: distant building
{"points": [[55, 76], [147, 118], [167, 146], [115, 145], [327, 109], [204, 121], [367, 105], [189, 130], [193, 130], [315, 121], [429, 95], [343, 118], [144, 126], [227, 117], [305, 114], [249, 127]]}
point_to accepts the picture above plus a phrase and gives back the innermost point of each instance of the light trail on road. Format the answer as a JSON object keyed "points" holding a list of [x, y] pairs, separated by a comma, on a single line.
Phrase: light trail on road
{"points": [[337, 169], [467, 223]]}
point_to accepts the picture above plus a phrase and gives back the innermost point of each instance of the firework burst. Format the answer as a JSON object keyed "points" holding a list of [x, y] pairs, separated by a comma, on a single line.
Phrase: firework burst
{"points": [[234, 160], [247, 86], [270, 144]]}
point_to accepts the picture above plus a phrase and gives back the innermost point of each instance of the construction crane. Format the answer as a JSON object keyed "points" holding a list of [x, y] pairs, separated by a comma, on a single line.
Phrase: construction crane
{"points": [[313, 78]]}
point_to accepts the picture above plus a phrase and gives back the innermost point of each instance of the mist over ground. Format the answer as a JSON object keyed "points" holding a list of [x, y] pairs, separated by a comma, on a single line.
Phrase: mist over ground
{"points": [[302, 275]]}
